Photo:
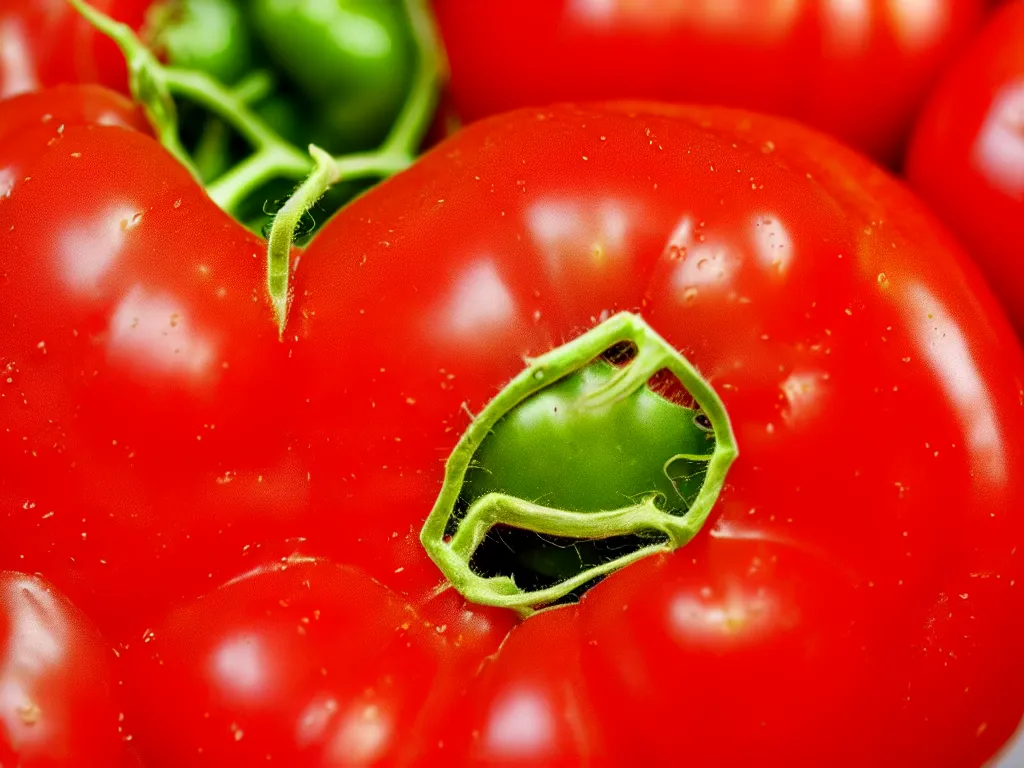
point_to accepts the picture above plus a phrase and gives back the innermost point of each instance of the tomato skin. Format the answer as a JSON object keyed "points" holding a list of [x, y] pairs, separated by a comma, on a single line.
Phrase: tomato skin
{"points": [[857, 73], [139, 364], [46, 43], [872, 382], [307, 663], [525, 708], [967, 153], [68, 106], [60, 704]]}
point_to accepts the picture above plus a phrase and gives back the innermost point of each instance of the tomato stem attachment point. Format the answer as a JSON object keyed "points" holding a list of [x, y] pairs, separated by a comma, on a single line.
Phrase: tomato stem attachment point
{"points": [[457, 527]]}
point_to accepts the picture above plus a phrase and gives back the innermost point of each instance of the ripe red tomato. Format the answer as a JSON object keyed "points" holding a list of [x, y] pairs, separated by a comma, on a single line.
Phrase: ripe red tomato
{"points": [[856, 70], [853, 597], [306, 663], [967, 154], [46, 42], [140, 369], [58, 694]]}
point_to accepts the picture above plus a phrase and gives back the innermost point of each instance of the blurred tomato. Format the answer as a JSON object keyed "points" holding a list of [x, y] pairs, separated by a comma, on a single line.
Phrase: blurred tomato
{"points": [[858, 70], [57, 683], [967, 154], [46, 42]]}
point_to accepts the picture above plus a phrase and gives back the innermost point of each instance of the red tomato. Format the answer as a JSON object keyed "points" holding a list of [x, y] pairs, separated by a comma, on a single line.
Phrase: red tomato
{"points": [[857, 575], [60, 108], [853, 596], [58, 703], [46, 42], [306, 663], [148, 452], [140, 369], [856, 70], [967, 154]]}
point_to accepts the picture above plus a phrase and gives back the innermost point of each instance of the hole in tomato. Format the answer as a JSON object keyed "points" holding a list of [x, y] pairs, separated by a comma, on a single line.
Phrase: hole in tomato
{"points": [[536, 561], [621, 354], [667, 385]]}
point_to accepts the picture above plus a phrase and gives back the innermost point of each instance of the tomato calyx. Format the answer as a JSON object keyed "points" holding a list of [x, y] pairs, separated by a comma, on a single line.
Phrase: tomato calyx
{"points": [[665, 459], [155, 85]]}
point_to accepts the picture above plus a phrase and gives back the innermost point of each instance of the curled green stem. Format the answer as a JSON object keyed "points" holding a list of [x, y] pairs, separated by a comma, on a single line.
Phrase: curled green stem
{"points": [[279, 244]]}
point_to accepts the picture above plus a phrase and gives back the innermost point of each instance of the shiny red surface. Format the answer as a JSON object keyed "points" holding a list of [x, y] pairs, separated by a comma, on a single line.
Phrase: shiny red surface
{"points": [[857, 576], [46, 42], [967, 154], [858, 71], [58, 686], [853, 595]]}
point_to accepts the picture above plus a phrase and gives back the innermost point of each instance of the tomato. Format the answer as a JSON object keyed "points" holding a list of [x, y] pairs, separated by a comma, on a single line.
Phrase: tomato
{"points": [[306, 663], [140, 367], [847, 597], [858, 71], [60, 705], [206, 35], [65, 106], [852, 597], [355, 67], [967, 154], [46, 42]]}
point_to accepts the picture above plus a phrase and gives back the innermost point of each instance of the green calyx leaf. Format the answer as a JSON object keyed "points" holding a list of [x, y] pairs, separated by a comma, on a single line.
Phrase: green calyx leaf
{"points": [[589, 453]]}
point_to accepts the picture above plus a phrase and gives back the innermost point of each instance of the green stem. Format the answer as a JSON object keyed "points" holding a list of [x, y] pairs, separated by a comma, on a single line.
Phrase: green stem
{"points": [[279, 244], [210, 154], [396, 154], [144, 77], [407, 132], [235, 185], [453, 552]]}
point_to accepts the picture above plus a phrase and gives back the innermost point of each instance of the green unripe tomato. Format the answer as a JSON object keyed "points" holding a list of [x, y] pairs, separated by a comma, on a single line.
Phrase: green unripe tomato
{"points": [[561, 450], [206, 35], [352, 59]]}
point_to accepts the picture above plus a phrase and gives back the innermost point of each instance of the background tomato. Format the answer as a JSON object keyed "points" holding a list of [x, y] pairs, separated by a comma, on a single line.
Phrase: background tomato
{"points": [[46, 42], [60, 704], [856, 70], [856, 348], [967, 154]]}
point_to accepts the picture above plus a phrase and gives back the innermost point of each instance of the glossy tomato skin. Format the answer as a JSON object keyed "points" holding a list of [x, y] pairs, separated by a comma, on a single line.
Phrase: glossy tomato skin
{"points": [[857, 71], [967, 154], [305, 663], [60, 705], [140, 362], [529, 704], [66, 106], [873, 385], [46, 43]]}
